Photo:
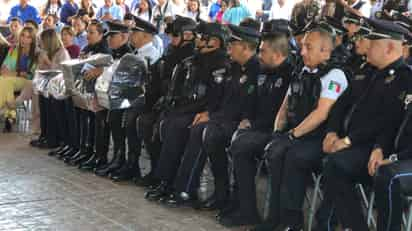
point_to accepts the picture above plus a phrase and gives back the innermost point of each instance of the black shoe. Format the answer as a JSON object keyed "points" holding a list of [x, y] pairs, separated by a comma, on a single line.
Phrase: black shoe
{"points": [[89, 164], [147, 181], [54, 152], [161, 191], [230, 208], [175, 200], [109, 169], [7, 126], [265, 226], [47, 145], [124, 173], [63, 151], [70, 154], [237, 219], [83, 156]]}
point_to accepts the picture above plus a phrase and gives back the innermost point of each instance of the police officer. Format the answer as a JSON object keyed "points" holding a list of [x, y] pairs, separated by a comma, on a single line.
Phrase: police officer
{"points": [[360, 77], [222, 103], [295, 149], [86, 119], [343, 51], [141, 39], [117, 38], [363, 126], [249, 143], [393, 177], [181, 47]]}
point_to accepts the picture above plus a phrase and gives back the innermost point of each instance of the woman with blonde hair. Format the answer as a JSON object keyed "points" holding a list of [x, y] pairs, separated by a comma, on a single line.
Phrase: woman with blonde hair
{"points": [[53, 116], [16, 73]]}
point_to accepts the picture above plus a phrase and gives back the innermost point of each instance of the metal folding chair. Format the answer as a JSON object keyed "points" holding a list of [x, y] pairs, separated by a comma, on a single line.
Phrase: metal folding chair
{"points": [[368, 204]]}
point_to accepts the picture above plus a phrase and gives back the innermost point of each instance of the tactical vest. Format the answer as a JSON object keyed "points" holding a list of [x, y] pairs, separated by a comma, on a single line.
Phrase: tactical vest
{"points": [[305, 89], [185, 88]]}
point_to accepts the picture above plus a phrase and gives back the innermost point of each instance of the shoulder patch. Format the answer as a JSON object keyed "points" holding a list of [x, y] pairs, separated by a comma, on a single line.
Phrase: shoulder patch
{"points": [[261, 79], [408, 100], [279, 83]]}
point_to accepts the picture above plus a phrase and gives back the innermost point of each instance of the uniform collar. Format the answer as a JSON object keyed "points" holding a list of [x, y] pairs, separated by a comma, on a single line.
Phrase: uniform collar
{"points": [[391, 68], [308, 70]]}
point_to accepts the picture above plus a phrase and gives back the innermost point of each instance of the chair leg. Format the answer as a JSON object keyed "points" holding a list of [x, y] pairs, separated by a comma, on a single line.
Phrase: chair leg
{"points": [[316, 191], [371, 218], [409, 223]]}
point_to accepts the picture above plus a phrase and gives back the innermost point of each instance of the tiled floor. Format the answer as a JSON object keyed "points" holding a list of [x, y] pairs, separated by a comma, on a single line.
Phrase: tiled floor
{"points": [[38, 192]]}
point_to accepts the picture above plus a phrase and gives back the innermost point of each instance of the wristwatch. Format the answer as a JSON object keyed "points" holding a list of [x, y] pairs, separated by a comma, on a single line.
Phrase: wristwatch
{"points": [[393, 158], [347, 141]]}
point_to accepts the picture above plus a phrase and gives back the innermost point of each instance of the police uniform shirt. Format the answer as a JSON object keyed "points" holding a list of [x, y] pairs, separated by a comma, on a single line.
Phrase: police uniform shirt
{"points": [[334, 83], [149, 51]]}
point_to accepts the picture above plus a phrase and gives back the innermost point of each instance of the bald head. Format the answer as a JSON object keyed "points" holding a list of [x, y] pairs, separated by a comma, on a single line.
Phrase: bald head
{"points": [[383, 52]]}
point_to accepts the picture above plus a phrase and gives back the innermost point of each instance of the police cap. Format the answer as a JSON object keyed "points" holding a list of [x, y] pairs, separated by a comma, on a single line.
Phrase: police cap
{"points": [[180, 25], [115, 28], [384, 29], [214, 30], [247, 34], [143, 26], [336, 25]]}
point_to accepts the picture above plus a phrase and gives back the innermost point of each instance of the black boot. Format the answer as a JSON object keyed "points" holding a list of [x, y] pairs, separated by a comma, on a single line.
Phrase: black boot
{"points": [[37, 142], [95, 161], [162, 190], [128, 171], [118, 161]]}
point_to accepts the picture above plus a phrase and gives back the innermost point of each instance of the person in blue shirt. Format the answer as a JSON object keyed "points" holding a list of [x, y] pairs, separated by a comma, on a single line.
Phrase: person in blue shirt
{"points": [[79, 27], [69, 9], [236, 13], [214, 9], [25, 12], [109, 12]]}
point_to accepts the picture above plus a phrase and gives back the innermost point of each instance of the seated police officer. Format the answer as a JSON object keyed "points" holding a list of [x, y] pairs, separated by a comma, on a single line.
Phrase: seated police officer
{"points": [[250, 142], [219, 118], [118, 39], [141, 39], [393, 178], [295, 150], [363, 123], [181, 47], [343, 48], [190, 90]]}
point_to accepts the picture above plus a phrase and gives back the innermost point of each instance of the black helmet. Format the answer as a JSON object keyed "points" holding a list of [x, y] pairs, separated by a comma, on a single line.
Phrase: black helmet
{"points": [[214, 30], [182, 24]]}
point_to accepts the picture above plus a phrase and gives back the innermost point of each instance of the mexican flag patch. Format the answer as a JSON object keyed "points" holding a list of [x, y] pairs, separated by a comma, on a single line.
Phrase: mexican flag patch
{"points": [[334, 86]]}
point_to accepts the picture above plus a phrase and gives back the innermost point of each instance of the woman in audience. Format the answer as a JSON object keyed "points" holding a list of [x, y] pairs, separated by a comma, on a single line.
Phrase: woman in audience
{"points": [[69, 9], [50, 22], [89, 7], [219, 15], [16, 73], [67, 35], [193, 10], [52, 111], [144, 11], [51, 7]]}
